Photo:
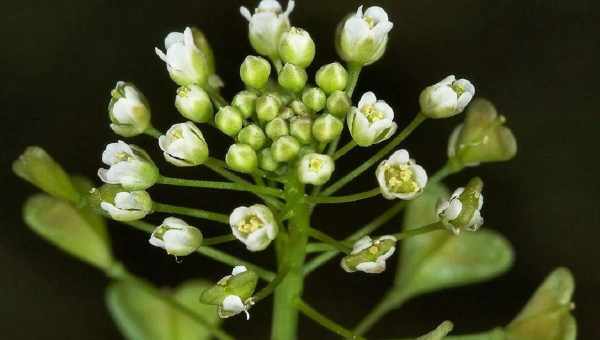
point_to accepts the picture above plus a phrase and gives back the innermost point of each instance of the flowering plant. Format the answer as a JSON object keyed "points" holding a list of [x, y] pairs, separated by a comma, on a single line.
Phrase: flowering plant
{"points": [[285, 132]]}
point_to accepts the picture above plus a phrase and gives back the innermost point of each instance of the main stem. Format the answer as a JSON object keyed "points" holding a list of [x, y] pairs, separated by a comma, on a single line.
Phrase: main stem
{"points": [[291, 252]]}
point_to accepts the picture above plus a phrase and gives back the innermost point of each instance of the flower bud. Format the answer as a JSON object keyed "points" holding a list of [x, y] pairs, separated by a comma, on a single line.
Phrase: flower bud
{"points": [[369, 256], [332, 77], [193, 103], [339, 104], [38, 168], [447, 98], [244, 101], [297, 47], [463, 209], [252, 135], [400, 177], [123, 205], [184, 145], [285, 148], [130, 166], [186, 63], [255, 71], [267, 107], [292, 78], [327, 128], [128, 110], [315, 168], [482, 138], [254, 226], [229, 120], [233, 293], [176, 237], [314, 98], [299, 108], [301, 128], [267, 25], [276, 128], [241, 158], [372, 121], [362, 38], [266, 160]]}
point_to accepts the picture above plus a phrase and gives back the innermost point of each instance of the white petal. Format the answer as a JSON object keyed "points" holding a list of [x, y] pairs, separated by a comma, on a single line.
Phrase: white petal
{"points": [[362, 244], [173, 38], [376, 13], [237, 216], [368, 98], [233, 304], [420, 175], [399, 157], [238, 270], [371, 267]]}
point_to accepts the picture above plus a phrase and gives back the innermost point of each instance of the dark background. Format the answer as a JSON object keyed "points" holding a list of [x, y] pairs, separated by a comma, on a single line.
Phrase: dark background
{"points": [[537, 60]]}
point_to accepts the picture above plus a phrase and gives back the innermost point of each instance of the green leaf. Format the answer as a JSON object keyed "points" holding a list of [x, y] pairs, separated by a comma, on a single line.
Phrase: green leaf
{"points": [[73, 230], [439, 333], [142, 316], [439, 259]]}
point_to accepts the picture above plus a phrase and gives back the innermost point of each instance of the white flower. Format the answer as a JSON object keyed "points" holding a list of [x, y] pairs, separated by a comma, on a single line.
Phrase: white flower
{"points": [[233, 304], [185, 61], [369, 256], [254, 226], [176, 237], [447, 98], [267, 25], [372, 121], [400, 177], [128, 110], [130, 166], [450, 210], [128, 206], [315, 168], [184, 145], [363, 36]]}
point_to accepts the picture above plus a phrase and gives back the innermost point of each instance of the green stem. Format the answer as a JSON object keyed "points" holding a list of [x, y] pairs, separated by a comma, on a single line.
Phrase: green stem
{"points": [[408, 233], [319, 248], [211, 241], [270, 288], [419, 118], [321, 236], [344, 150], [381, 309], [220, 185], [216, 97], [353, 73], [198, 213], [346, 198], [151, 131], [326, 322], [451, 167]]}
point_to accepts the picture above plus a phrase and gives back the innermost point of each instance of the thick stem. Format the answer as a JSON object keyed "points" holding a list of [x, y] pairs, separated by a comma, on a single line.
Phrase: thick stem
{"points": [[291, 255]]}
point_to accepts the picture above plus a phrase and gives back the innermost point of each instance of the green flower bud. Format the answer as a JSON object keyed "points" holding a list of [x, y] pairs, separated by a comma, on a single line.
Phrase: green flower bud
{"points": [[447, 98], [255, 71], [301, 128], [314, 98], [369, 255], [482, 138], [462, 211], [285, 148], [252, 135], [286, 113], [194, 103], [232, 293], [267, 107], [297, 47], [241, 158], [292, 78], [332, 77], [339, 104], [315, 169], [362, 37], [229, 120], [245, 102], [119, 204], [266, 160], [38, 168], [299, 108], [276, 128], [128, 110], [327, 128]]}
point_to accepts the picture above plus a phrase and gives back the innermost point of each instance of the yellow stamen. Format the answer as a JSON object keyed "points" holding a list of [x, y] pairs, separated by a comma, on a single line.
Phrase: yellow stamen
{"points": [[250, 225], [315, 164], [401, 179], [372, 114]]}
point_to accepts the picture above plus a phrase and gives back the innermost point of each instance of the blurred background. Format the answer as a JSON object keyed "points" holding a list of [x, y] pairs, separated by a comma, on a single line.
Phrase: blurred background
{"points": [[536, 60]]}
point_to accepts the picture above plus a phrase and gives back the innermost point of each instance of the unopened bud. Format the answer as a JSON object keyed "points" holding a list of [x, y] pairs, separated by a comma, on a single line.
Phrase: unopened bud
{"points": [[252, 135], [267, 107], [297, 47], [245, 102], [241, 158], [266, 160], [255, 72], [332, 77], [194, 103], [301, 128], [339, 104], [314, 98], [229, 120], [327, 128], [276, 128], [292, 78], [285, 148]]}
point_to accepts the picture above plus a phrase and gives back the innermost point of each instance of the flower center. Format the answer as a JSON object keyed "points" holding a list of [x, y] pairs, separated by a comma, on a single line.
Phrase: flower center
{"points": [[315, 164], [250, 225], [374, 249], [123, 156], [372, 113], [370, 21], [183, 91], [401, 179], [457, 88]]}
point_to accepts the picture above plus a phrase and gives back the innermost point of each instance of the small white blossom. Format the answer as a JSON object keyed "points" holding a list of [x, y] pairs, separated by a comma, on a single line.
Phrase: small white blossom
{"points": [[128, 206], [400, 177], [364, 36], [450, 210], [130, 166], [184, 145], [176, 237], [267, 25], [369, 256], [233, 304], [128, 110], [372, 121], [185, 61], [315, 168], [447, 98], [254, 226]]}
